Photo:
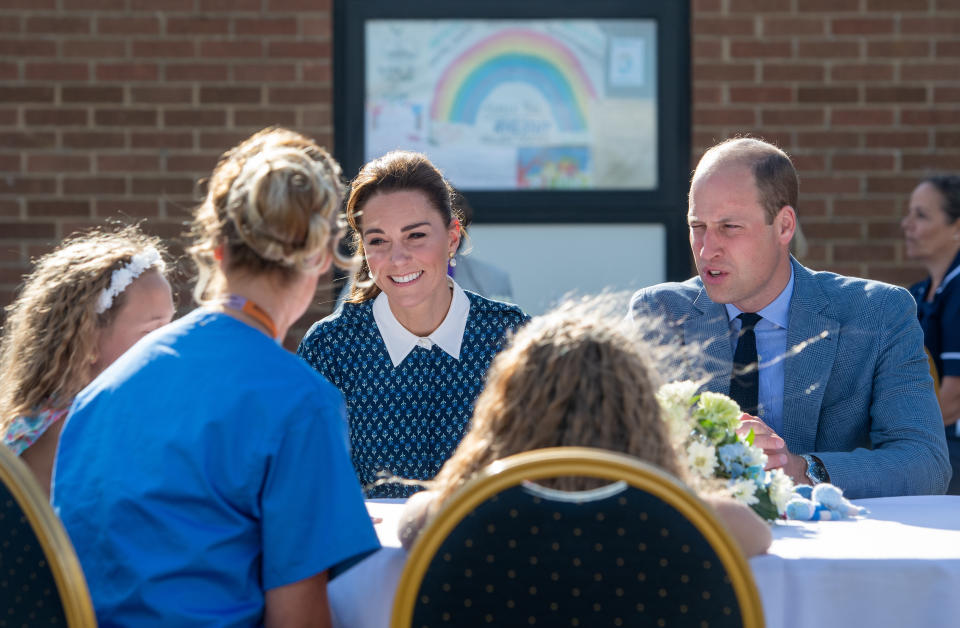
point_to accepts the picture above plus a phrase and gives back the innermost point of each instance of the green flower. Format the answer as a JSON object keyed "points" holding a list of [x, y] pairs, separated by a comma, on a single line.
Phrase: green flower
{"points": [[720, 410]]}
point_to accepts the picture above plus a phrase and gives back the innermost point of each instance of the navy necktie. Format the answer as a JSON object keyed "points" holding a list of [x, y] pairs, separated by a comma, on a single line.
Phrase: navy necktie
{"points": [[745, 386]]}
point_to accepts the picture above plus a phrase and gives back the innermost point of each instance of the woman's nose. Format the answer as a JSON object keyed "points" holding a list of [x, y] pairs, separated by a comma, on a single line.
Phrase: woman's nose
{"points": [[399, 252]]}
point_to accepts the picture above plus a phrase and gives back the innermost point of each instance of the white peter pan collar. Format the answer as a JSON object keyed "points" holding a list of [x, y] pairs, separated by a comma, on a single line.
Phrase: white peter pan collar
{"points": [[400, 341]]}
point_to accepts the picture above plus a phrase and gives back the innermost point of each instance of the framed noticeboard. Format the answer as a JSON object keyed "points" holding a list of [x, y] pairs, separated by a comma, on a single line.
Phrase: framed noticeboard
{"points": [[560, 111]]}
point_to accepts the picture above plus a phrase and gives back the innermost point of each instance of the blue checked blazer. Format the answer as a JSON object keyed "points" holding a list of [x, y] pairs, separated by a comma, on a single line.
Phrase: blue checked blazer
{"points": [[858, 395]]}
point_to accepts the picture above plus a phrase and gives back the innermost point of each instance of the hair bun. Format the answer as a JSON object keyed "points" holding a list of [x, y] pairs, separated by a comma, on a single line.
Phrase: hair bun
{"points": [[282, 203]]}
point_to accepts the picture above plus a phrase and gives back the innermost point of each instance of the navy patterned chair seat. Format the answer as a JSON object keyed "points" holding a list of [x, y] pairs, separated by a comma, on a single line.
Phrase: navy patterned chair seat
{"points": [[639, 551], [41, 583]]}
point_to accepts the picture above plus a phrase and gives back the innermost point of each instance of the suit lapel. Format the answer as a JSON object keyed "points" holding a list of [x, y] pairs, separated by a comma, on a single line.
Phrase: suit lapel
{"points": [[811, 349], [709, 328]]}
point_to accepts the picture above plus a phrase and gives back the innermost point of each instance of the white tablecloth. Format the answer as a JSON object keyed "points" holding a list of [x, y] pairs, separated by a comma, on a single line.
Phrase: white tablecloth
{"points": [[899, 567]]}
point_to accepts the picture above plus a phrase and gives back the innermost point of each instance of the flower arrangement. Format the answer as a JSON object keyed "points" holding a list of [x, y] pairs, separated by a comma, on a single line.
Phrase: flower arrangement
{"points": [[706, 424]]}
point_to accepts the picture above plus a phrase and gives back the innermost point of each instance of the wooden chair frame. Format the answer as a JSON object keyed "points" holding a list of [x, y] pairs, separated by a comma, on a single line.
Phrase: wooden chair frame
{"points": [[575, 461], [71, 584]]}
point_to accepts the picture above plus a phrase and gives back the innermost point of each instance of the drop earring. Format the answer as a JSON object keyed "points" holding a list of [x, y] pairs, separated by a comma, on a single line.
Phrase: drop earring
{"points": [[453, 260]]}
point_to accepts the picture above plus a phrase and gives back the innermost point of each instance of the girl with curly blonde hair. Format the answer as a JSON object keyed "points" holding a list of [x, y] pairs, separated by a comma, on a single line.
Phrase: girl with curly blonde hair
{"points": [[84, 304], [575, 377]]}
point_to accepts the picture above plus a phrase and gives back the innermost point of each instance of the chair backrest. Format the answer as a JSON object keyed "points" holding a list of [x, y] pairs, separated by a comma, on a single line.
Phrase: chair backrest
{"points": [[41, 583], [641, 551]]}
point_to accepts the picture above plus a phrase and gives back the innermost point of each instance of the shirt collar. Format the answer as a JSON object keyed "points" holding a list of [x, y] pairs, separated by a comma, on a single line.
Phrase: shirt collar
{"points": [[778, 312], [400, 341], [952, 273]]}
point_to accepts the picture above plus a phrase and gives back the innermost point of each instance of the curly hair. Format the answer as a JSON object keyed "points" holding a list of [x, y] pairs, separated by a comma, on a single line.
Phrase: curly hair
{"points": [[272, 202], [49, 339], [573, 377], [394, 172]]}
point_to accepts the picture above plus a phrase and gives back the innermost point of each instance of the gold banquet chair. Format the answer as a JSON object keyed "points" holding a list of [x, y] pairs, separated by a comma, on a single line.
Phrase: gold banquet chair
{"points": [[642, 550], [41, 583]]}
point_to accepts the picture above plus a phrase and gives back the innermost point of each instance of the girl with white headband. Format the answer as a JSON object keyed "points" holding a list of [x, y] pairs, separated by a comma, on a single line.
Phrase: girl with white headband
{"points": [[83, 306]]}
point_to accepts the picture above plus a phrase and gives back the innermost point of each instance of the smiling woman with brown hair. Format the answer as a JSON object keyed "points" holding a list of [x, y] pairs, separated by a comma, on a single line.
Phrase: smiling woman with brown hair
{"points": [[409, 349]]}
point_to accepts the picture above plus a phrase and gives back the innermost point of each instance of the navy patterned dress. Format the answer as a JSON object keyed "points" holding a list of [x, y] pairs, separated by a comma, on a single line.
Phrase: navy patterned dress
{"points": [[405, 420]]}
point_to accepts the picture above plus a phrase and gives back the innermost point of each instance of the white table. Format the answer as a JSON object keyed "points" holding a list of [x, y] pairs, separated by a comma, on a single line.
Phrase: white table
{"points": [[898, 566]]}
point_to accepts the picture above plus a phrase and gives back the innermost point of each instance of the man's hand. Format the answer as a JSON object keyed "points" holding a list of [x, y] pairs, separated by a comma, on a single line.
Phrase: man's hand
{"points": [[775, 448]]}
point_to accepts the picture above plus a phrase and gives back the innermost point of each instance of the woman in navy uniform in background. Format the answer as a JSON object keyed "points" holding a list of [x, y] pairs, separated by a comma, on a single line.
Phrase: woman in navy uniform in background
{"points": [[932, 231]]}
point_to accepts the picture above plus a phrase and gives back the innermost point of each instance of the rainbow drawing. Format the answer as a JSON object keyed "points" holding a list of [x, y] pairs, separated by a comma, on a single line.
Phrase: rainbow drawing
{"points": [[515, 55]]}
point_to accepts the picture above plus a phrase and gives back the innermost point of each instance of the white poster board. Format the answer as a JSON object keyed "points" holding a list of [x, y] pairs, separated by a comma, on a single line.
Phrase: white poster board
{"points": [[547, 262]]}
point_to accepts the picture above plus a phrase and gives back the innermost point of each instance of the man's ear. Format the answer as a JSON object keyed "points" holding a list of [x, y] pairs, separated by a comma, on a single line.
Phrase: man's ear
{"points": [[786, 224]]}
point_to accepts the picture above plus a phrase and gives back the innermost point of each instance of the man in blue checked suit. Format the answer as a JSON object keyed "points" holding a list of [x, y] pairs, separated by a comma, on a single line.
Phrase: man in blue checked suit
{"points": [[830, 368]]}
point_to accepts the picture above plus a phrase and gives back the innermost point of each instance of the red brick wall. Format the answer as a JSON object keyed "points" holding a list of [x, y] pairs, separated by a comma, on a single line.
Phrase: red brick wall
{"points": [[114, 108], [864, 94]]}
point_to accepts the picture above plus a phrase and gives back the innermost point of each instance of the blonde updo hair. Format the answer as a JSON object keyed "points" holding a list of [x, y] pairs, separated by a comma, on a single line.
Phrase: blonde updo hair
{"points": [[272, 203], [577, 376], [50, 336]]}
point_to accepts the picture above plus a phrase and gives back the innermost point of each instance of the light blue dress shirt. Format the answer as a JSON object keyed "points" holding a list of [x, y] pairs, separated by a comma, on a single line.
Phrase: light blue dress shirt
{"points": [[771, 333]]}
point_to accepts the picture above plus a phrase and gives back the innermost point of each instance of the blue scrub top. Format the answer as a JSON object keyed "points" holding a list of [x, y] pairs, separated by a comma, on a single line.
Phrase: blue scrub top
{"points": [[204, 467], [940, 319]]}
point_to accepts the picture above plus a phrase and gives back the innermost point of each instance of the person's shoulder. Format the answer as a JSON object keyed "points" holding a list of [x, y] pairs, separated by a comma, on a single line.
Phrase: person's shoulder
{"points": [[919, 289], [669, 296], [851, 287], [482, 307], [950, 287], [858, 296], [346, 316]]}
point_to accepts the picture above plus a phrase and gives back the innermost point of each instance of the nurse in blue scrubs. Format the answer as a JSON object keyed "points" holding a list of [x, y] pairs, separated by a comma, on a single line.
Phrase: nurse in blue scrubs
{"points": [[932, 231], [204, 477]]}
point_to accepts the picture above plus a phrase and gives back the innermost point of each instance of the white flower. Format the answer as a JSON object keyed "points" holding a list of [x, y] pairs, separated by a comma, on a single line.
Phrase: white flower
{"points": [[744, 491], [754, 457], [702, 458], [780, 488], [720, 409], [677, 394], [678, 422], [675, 400]]}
